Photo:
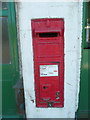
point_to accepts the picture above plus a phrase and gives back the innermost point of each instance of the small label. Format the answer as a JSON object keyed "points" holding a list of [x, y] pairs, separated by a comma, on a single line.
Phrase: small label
{"points": [[48, 70]]}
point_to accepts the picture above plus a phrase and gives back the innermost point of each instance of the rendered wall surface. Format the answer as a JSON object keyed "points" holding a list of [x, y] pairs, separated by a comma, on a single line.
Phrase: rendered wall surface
{"points": [[72, 14]]}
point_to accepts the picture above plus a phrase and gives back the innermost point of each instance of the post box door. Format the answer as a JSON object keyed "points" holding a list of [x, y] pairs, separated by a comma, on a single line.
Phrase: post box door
{"points": [[48, 47]]}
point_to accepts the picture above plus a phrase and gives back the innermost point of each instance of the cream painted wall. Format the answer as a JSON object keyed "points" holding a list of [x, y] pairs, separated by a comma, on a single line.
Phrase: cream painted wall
{"points": [[72, 14]]}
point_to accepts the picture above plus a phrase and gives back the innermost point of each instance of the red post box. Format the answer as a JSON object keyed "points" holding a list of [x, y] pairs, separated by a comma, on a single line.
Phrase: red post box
{"points": [[48, 47]]}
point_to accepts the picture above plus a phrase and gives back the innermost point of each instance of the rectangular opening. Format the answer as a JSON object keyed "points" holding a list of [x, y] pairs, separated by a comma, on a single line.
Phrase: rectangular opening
{"points": [[48, 34]]}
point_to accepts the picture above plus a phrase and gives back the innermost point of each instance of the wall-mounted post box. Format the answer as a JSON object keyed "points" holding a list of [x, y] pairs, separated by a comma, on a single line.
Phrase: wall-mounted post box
{"points": [[48, 47]]}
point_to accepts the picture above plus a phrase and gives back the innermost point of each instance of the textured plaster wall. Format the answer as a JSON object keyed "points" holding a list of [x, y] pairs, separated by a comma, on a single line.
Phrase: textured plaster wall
{"points": [[72, 14]]}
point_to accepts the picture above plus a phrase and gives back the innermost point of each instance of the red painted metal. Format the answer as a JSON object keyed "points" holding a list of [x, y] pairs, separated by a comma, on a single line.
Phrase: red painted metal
{"points": [[48, 47]]}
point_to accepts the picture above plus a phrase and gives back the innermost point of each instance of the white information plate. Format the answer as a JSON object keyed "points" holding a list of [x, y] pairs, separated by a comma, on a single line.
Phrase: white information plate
{"points": [[48, 70]]}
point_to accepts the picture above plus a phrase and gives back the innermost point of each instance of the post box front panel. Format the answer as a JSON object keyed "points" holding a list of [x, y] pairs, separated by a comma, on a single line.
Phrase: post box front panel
{"points": [[48, 49], [48, 46]]}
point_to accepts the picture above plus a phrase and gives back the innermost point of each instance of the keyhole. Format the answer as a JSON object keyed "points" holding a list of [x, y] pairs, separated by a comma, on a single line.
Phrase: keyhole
{"points": [[44, 87]]}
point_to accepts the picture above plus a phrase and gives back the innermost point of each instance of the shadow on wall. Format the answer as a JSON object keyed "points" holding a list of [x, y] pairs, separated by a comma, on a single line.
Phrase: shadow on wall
{"points": [[20, 100]]}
